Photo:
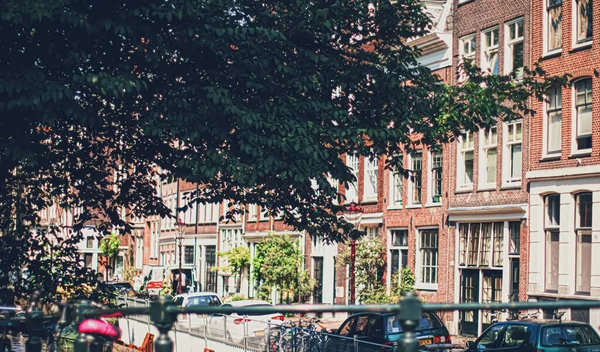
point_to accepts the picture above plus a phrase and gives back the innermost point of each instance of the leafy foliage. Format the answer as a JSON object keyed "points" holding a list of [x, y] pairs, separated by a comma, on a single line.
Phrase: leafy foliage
{"points": [[369, 268], [109, 245], [278, 263], [100, 98]]}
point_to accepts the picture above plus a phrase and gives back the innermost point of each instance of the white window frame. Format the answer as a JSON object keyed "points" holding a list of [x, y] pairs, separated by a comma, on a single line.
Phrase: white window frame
{"points": [[419, 284], [411, 190], [466, 54], [431, 180], [336, 185], [575, 24], [395, 177], [581, 231], [351, 193], [546, 15], [488, 51], [486, 143], [509, 44], [552, 105], [371, 178], [507, 179], [391, 247], [550, 228], [575, 118], [460, 167], [252, 212]]}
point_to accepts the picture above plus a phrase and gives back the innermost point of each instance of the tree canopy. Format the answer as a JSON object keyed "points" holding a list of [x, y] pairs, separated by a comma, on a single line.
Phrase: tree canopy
{"points": [[255, 100]]}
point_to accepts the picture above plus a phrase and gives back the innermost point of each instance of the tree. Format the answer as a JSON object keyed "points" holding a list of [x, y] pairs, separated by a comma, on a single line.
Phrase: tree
{"points": [[370, 263], [279, 263], [109, 245], [238, 259], [99, 98]]}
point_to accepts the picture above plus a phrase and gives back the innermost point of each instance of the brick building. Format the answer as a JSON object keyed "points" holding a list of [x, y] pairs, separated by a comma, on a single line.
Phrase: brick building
{"points": [[564, 159], [488, 200]]}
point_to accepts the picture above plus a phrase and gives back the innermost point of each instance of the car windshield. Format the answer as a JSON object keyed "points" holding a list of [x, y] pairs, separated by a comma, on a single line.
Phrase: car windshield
{"points": [[428, 321], [569, 335], [203, 301]]}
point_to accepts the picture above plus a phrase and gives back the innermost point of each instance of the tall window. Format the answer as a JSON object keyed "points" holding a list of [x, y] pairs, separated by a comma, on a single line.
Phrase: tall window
{"points": [[428, 252], [514, 160], [416, 177], [466, 147], [514, 47], [398, 252], [481, 244], [351, 189], [514, 229], [554, 24], [552, 232], [489, 156], [553, 120], [583, 20], [583, 228], [396, 183], [436, 176], [467, 47], [188, 255], [489, 54], [370, 176], [583, 111], [252, 212]]}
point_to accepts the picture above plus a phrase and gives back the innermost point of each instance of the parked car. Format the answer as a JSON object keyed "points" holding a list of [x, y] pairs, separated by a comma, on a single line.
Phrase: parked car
{"points": [[234, 327], [120, 288], [375, 329], [195, 299], [537, 335]]}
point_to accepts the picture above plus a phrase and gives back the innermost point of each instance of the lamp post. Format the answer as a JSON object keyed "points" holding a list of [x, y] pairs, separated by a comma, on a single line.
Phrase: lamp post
{"points": [[353, 215], [180, 234]]}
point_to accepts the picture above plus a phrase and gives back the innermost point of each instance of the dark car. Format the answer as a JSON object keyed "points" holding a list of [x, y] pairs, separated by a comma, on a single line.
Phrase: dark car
{"points": [[537, 335], [375, 329], [121, 288]]}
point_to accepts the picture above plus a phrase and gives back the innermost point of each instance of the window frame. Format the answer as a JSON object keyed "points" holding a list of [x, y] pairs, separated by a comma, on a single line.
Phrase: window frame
{"points": [[470, 247], [422, 257], [576, 115], [510, 43], [577, 42], [353, 162], [402, 247], [485, 145], [507, 161], [548, 7], [436, 172], [461, 155], [415, 180], [252, 212], [580, 232], [488, 51], [470, 55], [371, 168], [552, 105], [395, 176], [551, 235]]}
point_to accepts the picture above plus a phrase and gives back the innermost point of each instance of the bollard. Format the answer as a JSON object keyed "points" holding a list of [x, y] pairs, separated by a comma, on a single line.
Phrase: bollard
{"points": [[163, 320], [409, 316], [268, 336], [33, 324], [81, 342]]}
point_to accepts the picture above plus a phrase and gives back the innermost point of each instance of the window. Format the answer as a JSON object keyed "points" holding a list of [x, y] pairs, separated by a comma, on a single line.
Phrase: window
{"points": [[467, 47], [416, 177], [371, 231], [583, 20], [514, 229], [491, 338], [428, 253], [370, 178], [515, 336], [583, 113], [489, 156], [489, 53], [553, 120], [583, 229], [396, 184], [88, 260], [554, 24], [436, 176], [481, 244], [398, 252], [351, 189], [89, 242], [465, 157], [188, 254], [252, 212], [514, 159], [513, 62], [552, 233]]}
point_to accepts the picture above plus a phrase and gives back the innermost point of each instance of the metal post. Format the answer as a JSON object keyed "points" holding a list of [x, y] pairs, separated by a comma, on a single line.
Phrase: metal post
{"points": [[395, 347], [163, 320], [34, 327], [293, 332], [352, 269], [355, 340], [245, 333], [268, 336], [81, 342], [409, 316], [323, 337]]}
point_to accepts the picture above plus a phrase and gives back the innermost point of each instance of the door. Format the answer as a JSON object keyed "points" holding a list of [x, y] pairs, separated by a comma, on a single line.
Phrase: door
{"points": [[318, 276], [514, 280], [470, 294], [210, 284], [491, 289]]}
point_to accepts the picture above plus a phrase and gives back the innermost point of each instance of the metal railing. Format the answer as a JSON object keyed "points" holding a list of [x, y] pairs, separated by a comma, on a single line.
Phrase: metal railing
{"points": [[163, 314]]}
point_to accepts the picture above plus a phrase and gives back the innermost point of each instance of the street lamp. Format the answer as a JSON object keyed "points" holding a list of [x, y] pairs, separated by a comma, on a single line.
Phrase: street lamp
{"points": [[353, 215], [180, 233]]}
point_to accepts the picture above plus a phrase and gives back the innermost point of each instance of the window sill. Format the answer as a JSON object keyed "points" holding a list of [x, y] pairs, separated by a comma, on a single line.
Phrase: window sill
{"points": [[464, 189], [581, 46], [414, 206], [431, 205], [252, 220], [395, 207], [263, 220], [550, 157], [463, 2], [512, 185], [369, 201], [552, 54], [580, 153], [426, 287], [486, 188]]}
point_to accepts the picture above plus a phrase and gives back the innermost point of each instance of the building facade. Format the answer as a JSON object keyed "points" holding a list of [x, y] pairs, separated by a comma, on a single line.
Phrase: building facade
{"points": [[564, 161]]}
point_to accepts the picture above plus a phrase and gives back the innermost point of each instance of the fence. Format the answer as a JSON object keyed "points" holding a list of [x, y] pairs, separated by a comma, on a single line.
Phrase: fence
{"points": [[163, 315]]}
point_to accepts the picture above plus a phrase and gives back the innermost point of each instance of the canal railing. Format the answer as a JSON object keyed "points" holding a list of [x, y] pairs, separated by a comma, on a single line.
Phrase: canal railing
{"points": [[163, 315]]}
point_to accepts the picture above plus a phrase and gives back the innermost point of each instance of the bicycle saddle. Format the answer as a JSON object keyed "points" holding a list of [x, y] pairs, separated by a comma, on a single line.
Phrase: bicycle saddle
{"points": [[99, 327]]}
